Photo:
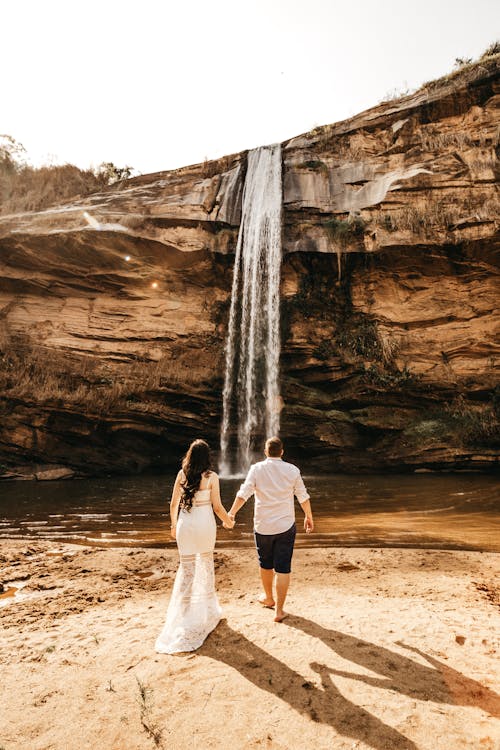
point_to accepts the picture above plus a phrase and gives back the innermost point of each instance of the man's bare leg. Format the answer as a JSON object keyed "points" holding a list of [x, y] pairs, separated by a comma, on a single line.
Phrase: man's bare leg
{"points": [[282, 583], [266, 576]]}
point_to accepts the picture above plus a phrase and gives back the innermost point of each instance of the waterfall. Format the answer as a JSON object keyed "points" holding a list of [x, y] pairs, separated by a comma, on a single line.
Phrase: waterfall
{"points": [[251, 399]]}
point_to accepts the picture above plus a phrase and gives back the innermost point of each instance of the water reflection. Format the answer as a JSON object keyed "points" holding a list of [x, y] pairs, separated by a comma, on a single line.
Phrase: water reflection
{"points": [[440, 511]]}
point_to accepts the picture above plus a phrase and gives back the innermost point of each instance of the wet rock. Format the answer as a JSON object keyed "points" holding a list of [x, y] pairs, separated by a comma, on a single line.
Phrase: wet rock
{"points": [[61, 472]]}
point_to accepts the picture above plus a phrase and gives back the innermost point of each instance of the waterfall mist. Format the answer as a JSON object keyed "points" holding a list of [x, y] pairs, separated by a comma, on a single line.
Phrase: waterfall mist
{"points": [[251, 400]]}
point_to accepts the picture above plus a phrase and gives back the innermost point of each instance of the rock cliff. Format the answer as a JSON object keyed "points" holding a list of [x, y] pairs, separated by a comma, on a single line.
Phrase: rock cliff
{"points": [[113, 308]]}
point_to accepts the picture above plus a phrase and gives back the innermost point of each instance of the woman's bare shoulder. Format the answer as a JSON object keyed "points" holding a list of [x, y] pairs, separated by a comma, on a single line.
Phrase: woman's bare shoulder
{"points": [[212, 477]]}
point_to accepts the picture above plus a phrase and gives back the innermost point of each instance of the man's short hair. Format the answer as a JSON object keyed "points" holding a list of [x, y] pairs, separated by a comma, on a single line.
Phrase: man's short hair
{"points": [[274, 447]]}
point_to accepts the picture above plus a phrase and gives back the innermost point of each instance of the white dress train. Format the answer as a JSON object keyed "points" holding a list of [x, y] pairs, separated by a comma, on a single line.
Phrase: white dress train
{"points": [[194, 610]]}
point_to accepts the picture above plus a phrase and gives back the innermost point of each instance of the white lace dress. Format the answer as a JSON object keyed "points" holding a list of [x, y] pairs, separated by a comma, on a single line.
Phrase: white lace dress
{"points": [[193, 610]]}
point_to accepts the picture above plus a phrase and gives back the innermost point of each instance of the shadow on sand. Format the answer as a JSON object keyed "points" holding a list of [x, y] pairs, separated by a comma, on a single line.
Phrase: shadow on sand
{"points": [[435, 682], [438, 682]]}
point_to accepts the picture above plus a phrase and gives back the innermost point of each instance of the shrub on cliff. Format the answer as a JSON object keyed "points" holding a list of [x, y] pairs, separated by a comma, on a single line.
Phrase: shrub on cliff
{"points": [[465, 68], [493, 49], [344, 230]]}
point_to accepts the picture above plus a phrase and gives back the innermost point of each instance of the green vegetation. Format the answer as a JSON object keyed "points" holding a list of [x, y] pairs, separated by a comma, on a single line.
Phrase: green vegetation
{"points": [[471, 425], [343, 231], [353, 336], [389, 378], [325, 350], [219, 312], [316, 165], [313, 164], [427, 430], [358, 336], [315, 297], [476, 424]]}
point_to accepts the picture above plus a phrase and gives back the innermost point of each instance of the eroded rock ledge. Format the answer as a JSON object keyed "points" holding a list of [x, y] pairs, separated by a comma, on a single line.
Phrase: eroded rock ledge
{"points": [[113, 309]]}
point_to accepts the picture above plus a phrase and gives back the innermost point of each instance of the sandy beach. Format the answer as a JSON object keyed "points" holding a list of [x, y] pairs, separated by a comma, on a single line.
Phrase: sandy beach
{"points": [[383, 649]]}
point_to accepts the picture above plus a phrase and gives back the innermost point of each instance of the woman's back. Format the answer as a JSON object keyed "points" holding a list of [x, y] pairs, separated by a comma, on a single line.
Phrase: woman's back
{"points": [[196, 527], [205, 481], [193, 610]]}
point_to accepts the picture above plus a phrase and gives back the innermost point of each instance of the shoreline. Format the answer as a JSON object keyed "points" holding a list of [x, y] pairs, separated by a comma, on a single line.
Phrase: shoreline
{"points": [[49, 473], [383, 647], [301, 542]]}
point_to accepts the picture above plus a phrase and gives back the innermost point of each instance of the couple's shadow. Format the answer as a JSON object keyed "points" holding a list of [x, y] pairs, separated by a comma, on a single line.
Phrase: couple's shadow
{"points": [[433, 681]]}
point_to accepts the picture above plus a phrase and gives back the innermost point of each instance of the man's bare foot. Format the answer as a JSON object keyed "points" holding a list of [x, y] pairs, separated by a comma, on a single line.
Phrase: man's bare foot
{"points": [[280, 616], [266, 602]]}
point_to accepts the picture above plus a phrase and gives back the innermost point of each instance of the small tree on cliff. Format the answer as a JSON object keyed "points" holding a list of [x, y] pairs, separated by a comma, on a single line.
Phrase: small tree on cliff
{"points": [[12, 154], [110, 173]]}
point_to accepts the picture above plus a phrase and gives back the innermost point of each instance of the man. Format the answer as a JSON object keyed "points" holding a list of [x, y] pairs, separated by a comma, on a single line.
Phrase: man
{"points": [[274, 484]]}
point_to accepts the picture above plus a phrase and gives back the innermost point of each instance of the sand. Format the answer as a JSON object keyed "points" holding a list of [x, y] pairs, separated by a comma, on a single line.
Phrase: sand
{"points": [[383, 649]]}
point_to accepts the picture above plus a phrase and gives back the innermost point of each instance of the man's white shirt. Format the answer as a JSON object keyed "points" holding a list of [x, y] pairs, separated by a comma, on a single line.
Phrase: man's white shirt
{"points": [[274, 483]]}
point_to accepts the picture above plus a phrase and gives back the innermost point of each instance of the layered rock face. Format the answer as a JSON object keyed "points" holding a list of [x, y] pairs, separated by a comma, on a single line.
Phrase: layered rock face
{"points": [[113, 309]]}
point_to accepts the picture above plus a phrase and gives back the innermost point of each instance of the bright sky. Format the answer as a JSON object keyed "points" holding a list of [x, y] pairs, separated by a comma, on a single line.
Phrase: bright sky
{"points": [[158, 84]]}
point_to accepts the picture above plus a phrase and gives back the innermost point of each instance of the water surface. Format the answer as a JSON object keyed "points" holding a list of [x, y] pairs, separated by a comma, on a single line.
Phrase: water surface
{"points": [[438, 511]]}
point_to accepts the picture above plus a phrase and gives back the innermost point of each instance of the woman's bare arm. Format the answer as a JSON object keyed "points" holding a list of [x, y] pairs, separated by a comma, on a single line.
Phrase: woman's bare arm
{"points": [[174, 504], [219, 509]]}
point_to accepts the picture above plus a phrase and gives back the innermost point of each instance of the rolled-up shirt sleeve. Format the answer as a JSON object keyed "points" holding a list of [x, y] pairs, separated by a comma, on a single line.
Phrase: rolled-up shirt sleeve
{"points": [[299, 489], [248, 487]]}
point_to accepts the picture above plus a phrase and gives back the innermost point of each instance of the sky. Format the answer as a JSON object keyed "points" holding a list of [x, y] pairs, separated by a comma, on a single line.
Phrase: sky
{"points": [[159, 84]]}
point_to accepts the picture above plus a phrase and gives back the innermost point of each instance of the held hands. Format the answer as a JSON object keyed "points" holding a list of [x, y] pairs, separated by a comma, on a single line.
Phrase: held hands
{"points": [[308, 524], [230, 524]]}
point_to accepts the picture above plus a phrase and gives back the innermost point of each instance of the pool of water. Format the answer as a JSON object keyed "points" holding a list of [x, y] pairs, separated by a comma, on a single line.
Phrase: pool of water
{"points": [[437, 511]]}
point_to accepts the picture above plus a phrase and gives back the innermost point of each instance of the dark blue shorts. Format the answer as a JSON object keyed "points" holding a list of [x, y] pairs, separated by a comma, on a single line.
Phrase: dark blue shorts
{"points": [[275, 550]]}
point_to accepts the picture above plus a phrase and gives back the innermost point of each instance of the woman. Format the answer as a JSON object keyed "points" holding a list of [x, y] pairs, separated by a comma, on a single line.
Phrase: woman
{"points": [[193, 610]]}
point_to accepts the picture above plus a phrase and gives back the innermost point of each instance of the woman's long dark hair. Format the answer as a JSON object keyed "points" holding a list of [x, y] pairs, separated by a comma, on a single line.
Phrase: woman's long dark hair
{"points": [[195, 464]]}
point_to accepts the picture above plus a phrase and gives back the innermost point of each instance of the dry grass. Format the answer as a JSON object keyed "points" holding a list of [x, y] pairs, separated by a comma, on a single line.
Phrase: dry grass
{"points": [[356, 145], [33, 372], [352, 147], [389, 345], [150, 725], [419, 219], [210, 168], [431, 139], [431, 215], [29, 189], [468, 72]]}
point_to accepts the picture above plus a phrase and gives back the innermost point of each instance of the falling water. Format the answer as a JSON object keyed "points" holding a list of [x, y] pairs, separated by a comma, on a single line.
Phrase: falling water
{"points": [[251, 398]]}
